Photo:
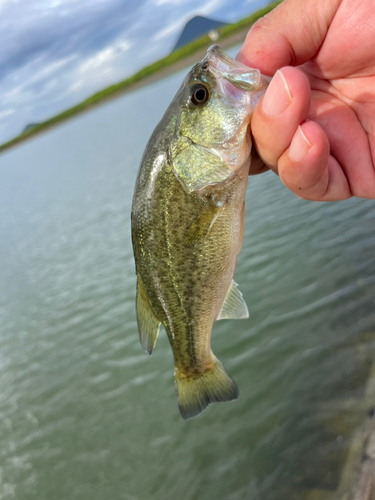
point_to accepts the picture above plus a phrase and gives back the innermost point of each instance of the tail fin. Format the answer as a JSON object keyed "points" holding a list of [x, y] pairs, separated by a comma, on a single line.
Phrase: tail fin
{"points": [[195, 392]]}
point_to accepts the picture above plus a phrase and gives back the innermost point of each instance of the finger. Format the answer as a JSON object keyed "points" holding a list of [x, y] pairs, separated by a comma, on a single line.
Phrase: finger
{"points": [[308, 169], [349, 143], [257, 166], [276, 118], [289, 35]]}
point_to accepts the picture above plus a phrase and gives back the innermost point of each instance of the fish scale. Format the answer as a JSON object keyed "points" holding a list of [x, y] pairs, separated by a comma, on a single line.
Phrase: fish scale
{"points": [[187, 220]]}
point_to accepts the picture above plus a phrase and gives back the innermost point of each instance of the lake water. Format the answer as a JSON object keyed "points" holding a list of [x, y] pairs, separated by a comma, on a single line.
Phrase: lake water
{"points": [[86, 414]]}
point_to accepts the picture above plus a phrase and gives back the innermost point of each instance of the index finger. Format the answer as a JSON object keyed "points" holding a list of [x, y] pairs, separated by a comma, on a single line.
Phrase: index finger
{"points": [[289, 35]]}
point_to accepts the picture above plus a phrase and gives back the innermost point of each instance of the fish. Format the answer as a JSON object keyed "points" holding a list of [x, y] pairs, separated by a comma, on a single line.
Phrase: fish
{"points": [[187, 222]]}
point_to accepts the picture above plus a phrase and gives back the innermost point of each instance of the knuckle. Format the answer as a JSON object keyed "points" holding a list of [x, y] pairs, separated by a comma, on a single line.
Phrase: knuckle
{"points": [[260, 25]]}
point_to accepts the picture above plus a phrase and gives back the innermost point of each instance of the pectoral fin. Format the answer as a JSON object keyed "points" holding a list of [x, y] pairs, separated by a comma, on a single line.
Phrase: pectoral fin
{"points": [[148, 323], [234, 306], [202, 223]]}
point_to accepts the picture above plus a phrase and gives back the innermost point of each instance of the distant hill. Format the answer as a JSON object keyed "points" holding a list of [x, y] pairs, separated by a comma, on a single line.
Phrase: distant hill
{"points": [[29, 126], [196, 27]]}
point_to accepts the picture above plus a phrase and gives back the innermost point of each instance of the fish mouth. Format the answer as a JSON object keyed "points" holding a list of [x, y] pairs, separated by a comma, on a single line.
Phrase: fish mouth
{"points": [[243, 87], [239, 75], [237, 81]]}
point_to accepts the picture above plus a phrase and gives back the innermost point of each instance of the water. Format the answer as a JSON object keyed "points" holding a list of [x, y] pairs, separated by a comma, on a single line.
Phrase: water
{"points": [[86, 414]]}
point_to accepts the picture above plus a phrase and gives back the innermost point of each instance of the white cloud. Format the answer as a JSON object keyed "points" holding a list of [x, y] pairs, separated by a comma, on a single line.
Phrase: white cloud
{"points": [[123, 46], [102, 57], [3, 3], [158, 3], [23, 93], [50, 69], [168, 31], [211, 6], [105, 56], [6, 112], [174, 27]]}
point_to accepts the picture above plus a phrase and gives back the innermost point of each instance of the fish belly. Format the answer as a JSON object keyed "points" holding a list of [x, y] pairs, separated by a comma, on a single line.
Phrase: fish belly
{"points": [[186, 280]]}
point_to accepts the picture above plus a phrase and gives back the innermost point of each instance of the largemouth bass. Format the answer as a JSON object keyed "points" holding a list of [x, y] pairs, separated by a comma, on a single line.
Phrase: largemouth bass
{"points": [[187, 222]]}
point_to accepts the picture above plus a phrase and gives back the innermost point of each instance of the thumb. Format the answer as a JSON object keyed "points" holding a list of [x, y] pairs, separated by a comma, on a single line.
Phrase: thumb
{"points": [[289, 35]]}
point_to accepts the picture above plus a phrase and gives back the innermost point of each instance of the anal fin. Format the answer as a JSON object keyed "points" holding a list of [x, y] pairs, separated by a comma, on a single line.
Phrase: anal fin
{"points": [[148, 323], [234, 306]]}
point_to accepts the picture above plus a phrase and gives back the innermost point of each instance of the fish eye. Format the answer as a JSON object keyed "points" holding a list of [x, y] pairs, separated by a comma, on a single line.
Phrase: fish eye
{"points": [[199, 94]]}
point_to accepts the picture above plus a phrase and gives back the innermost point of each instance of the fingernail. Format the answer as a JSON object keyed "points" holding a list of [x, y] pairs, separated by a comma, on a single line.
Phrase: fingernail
{"points": [[278, 96], [299, 146]]}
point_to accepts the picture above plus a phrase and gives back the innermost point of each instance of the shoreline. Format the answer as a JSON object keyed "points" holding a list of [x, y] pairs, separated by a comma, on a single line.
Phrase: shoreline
{"points": [[159, 75], [184, 57]]}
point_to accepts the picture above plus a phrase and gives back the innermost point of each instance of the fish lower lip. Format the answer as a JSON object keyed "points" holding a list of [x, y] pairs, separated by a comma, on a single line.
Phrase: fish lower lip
{"points": [[233, 92]]}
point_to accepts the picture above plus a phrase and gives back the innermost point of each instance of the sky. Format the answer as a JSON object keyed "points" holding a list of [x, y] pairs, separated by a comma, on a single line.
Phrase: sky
{"points": [[55, 53]]}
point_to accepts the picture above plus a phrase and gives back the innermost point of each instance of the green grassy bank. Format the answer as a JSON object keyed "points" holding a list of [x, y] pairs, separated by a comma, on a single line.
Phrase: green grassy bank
{"points": [[151, 70]]}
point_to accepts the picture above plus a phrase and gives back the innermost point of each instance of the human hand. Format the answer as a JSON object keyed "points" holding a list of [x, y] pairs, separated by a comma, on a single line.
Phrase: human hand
{"points": [[315, 125]]}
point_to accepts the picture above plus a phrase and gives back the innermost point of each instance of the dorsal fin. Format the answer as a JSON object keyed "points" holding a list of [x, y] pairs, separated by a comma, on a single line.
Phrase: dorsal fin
{"points": [[234, 306]]}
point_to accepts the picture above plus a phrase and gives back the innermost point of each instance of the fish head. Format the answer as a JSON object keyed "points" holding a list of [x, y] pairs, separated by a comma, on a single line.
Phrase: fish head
{"points": [[212, 138]]}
